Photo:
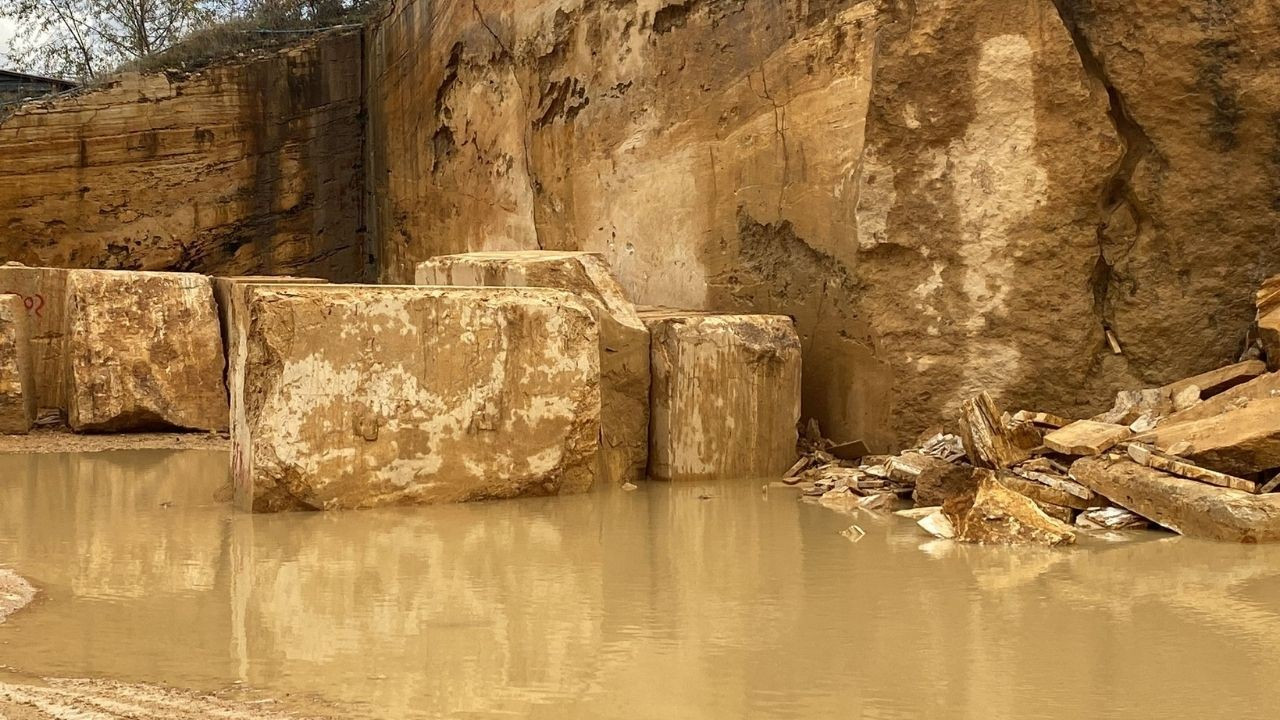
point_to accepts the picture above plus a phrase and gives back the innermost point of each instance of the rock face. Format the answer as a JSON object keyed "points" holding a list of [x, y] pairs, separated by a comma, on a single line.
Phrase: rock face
{"points": [[624, 341], [17, 379], [143, 351], [251, 166], [43, 293], [727, 155], [1184, 506], [725, 395], [357, 396]]}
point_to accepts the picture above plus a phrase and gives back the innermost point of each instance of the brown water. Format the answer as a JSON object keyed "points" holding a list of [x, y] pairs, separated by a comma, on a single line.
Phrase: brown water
{"points": [[652, 604]]}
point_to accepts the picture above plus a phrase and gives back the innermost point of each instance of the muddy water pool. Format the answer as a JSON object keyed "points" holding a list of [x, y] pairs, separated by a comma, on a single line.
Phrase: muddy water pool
{"points": [[685, 601]]}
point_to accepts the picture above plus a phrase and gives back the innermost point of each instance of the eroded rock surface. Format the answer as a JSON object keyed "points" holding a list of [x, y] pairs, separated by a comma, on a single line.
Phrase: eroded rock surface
{"points": [[725, 395], [17, 379], [624, 340], [358, 396], [143, 352]]}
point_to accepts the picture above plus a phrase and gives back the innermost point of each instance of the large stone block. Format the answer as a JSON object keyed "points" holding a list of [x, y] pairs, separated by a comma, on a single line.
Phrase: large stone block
{"points": [[143, 351], [725, 397], [43, 296], [17, 382], [358, 396], [624, 341]]}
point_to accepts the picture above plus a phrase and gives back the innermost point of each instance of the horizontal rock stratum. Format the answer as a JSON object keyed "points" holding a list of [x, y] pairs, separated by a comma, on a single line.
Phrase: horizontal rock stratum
{"points": [[726, 395], [624, 341], [359, 396]]}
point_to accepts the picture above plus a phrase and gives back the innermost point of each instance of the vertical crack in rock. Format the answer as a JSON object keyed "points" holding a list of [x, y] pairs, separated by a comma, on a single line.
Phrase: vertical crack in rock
{"points": [[510, 59], [1117, 193]]}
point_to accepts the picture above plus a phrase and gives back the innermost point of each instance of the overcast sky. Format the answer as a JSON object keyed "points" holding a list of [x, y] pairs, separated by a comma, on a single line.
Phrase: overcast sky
{"points": [[6, 32]]}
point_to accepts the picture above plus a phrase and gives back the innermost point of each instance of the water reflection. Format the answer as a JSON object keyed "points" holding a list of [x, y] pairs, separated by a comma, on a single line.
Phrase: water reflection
{"points": [[674, 601]]}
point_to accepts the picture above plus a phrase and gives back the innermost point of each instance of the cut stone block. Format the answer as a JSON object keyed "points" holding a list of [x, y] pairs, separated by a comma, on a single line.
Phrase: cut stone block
{"points": [[726, 395], [143, 351], [1239, 443], [43, 293], [624, 341], [1086, 437], [224, 292], [17, 380], [1185, 506], [360, 396]]}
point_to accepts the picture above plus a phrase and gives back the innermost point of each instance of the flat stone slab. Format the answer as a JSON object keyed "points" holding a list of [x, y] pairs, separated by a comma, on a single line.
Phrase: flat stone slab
{"points": [[1086, 437], [43, 293], [1268, 302], [725, 397], [360, 396], [143, 352], [1185, 506], [624, 340], [17, 379], [1241, 442]]}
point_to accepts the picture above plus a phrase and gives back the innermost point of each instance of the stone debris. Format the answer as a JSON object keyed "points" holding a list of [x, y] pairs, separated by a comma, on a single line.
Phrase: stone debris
{"points": [[944, 445], [1111, 518], [17, 374], [624, 339], [997, 515], [1240, 443], [989, 439], [1169, 462], [725, 395], [938, 525], [1217, 381], [1042, 419], [940, 480], [428, 395], [143, 352], [1086, 437], [43, 292]]}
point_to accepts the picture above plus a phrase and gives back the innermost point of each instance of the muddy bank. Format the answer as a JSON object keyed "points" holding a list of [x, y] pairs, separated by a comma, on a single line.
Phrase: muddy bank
{"points": [[80, 699], [48, 440]]}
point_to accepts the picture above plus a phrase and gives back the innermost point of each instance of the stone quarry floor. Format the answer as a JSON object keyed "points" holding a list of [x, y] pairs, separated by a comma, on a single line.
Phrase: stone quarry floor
{"points": [[735, 599], [60, 440]]}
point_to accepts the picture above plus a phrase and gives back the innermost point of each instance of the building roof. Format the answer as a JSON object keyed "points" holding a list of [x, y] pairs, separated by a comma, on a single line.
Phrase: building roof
{"points": [[28, 77]]}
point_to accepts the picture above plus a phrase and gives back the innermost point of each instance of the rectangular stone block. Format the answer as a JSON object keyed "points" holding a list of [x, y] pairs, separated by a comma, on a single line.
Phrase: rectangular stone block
{"points": [[17, 380], [360, 396], [624, 341], [43, 292], [725, 396], [143, 352], [227, 290]]}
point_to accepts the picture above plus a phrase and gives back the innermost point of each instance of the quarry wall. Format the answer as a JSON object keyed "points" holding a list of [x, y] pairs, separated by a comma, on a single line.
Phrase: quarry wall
{"points": [[947, 195], [251, 166]]}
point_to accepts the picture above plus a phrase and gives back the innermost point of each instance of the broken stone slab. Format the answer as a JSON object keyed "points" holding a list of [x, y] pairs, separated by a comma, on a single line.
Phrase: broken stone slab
{"points": [[1153, 458], [624, 340], [725, 397], [1111, 518], [938, 525], [1044, 494], [1043, 419], [143, 351], [1131, 405], [997, 515], [17, 377], [1259, 388], [1185, 506], [988, 440], [1042, 471], [1239, 443], [939, 480], [43, 293], [361, 396], [1086, 437], [1268, 302], [1220, 380]]}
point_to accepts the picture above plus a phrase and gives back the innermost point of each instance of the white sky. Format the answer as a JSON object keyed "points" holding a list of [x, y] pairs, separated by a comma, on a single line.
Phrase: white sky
{"points": [[6, 32]]}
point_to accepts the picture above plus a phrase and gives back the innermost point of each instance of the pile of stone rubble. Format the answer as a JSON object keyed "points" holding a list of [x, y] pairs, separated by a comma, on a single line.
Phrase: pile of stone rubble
{"points": [[1200, 457]]}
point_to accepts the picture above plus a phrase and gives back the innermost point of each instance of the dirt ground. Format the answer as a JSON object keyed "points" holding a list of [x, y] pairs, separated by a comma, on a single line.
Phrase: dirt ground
{"points": [[24, 698], [59, 440]]}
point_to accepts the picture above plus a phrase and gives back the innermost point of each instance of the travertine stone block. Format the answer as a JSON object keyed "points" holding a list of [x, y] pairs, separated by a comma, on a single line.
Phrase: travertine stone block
{"points": [[17, 381]]}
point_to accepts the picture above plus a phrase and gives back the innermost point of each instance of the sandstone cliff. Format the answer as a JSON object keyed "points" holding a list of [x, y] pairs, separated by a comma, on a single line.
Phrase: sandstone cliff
{"points": [[250, 166], [946, 195]]}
